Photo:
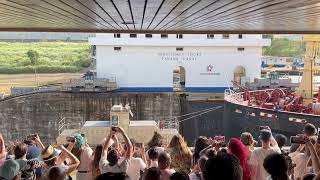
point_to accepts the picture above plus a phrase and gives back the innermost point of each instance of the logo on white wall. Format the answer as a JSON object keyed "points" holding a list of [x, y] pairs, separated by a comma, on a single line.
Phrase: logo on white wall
{"points": [[210, 71], [209, 68]]}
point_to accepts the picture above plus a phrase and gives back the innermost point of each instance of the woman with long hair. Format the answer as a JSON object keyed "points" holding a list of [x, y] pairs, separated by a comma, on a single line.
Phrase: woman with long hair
{"points": [[95, 162], [180, 154], [156, 141], [200, 143], [237, 148], [247, 139]]}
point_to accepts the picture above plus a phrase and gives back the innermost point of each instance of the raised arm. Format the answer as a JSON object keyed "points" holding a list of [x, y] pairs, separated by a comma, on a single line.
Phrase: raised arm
{"points": [[63, 156], [3, 152], [107, 143], [314, 156], [74, 160], [39, 143], [143, 154], [128, 143], [116, 142]]}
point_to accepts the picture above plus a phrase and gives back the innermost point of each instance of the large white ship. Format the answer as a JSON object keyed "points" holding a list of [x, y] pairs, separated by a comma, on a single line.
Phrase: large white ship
{"points": [[177, 62]]}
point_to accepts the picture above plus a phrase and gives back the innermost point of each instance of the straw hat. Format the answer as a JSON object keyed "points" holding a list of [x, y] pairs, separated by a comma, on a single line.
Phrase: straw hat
{"points": [[49, 153]]}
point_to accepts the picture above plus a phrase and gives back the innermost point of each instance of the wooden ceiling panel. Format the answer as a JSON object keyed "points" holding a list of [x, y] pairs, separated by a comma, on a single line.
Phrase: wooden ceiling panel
{"points": [[152, 10], [161, 16], [187, 10], [124, 9], [167, 8], [36, 12], [110, 9]]}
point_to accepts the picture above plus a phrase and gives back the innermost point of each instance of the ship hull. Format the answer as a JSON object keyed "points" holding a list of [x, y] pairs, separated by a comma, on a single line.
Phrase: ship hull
{"points": [[239, 118]]}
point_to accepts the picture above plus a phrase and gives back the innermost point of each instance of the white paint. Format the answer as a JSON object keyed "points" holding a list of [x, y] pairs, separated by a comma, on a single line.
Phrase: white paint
{"points": [[138, 64]]}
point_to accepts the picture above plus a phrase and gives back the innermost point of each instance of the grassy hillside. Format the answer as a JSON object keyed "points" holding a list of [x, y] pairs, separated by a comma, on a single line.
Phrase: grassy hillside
{"points": [[54, 57]]}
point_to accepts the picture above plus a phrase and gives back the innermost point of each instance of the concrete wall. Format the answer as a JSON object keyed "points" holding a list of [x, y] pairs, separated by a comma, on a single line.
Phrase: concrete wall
{"points": [[41, 112]]}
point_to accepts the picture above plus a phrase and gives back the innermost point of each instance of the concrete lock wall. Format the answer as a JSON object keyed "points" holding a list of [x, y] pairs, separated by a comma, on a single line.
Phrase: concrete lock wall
{"points": [[41, 112]]}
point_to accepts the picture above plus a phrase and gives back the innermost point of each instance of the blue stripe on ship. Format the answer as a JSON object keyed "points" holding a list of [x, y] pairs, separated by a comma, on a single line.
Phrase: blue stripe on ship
{"points": [[170, 89]]}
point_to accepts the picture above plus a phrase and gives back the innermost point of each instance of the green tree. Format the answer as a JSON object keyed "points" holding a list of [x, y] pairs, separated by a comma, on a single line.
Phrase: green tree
{"points": [[285, 48], [33, 56]]}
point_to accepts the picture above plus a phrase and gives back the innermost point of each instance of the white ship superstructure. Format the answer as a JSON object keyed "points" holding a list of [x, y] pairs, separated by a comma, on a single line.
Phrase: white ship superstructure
{"points": [[168, 62]]}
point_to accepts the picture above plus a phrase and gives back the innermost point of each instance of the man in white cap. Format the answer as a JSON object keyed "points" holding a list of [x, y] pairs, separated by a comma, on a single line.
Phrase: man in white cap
{"points": [[11, 169]]}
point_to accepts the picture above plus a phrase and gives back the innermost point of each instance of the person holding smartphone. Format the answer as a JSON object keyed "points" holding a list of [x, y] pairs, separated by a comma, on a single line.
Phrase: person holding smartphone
{"points": [[79, 147], [109, 158], [269, 146]]}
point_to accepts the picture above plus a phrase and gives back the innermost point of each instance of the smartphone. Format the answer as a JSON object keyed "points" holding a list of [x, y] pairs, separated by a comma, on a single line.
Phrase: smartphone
{"points": [[31, 137], [220, 139], [138, 145], [263, 127], [70, 139], [297, 140]]}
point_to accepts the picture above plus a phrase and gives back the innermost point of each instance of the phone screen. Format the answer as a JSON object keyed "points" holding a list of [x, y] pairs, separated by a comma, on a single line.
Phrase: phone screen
{"points": [[297, 140]]}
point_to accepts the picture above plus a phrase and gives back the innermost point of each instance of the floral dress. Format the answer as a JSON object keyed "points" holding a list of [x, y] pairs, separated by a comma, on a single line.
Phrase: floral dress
{"points": [[28, 172]]}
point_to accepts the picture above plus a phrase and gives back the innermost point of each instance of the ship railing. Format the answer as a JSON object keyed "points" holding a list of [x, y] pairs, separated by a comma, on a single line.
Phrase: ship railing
{"points": [[168, 124], [232, 96], [70, 122]]}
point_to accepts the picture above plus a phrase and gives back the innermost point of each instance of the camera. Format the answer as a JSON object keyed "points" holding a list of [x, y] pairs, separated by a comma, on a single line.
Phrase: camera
{"points": [[297, 140], [71, 139], [263, 127], [220, 139]]}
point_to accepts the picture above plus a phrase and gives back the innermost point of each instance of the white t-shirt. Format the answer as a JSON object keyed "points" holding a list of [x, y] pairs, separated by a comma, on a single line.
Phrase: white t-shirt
{"points": [[257, 158], [300, 159], [117, 168], [85, 159], [136, 165], [194, 176]]}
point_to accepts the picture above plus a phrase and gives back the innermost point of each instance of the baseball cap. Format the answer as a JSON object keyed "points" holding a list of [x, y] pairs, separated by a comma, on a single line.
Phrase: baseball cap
{"points": [[11, 168], [33, 152], [265, 135]]}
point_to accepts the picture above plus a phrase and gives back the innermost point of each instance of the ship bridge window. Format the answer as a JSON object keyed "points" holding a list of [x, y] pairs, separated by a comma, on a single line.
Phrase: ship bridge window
{"points": [[240, 48], [179, 49], [116, 35], [164, 36], [210, 36], [148, 35], [117, 48], [240, 36], [133, 35], [225, 36], [179, 36]]}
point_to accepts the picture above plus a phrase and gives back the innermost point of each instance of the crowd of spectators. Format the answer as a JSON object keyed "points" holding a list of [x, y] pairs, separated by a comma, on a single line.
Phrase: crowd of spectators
{"points": [[241, 158]]}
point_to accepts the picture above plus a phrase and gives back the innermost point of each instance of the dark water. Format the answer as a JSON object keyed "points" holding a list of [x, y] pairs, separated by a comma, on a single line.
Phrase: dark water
{"points": [[209, 124]]}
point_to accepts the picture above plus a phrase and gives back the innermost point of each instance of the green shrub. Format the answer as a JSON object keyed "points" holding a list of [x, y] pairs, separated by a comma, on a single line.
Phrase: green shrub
{"points": [[53, 57]]}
